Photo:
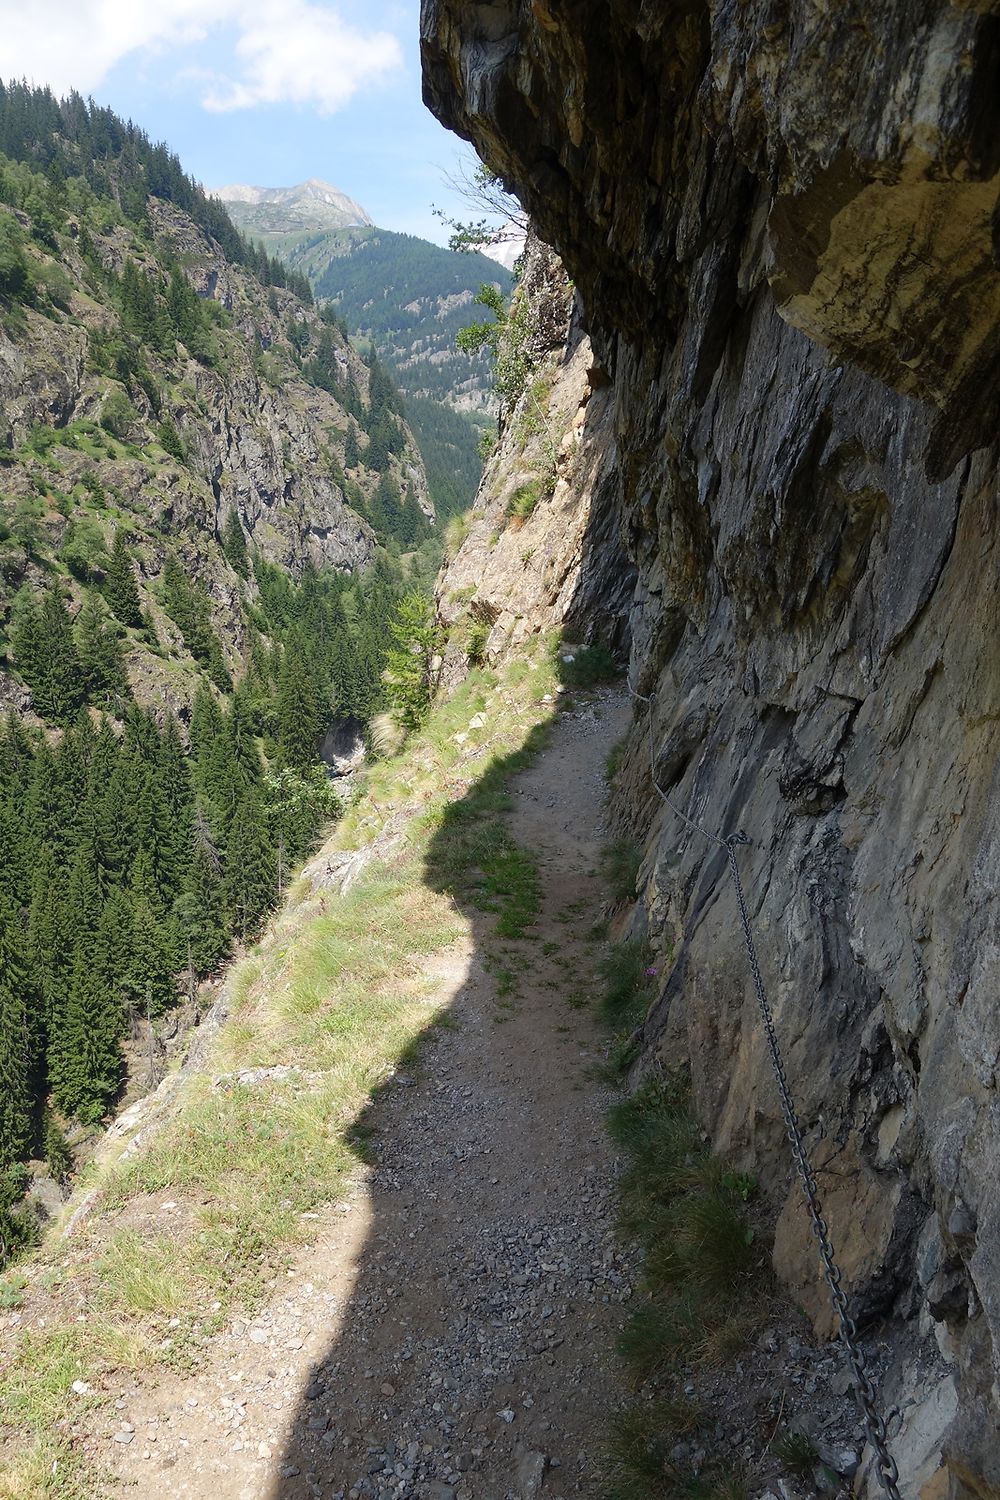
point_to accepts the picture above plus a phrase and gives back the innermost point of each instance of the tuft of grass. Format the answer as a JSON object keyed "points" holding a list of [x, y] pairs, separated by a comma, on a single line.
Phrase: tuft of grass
{"points": [[524, 501], [641, 1436], [614, 758], [455, 532], [700, 1260], [12, 1289], [141, 1274], [586, 666], [638, 1464], [630, 976], [620, 862], [47, 1469], [795, 1451]]}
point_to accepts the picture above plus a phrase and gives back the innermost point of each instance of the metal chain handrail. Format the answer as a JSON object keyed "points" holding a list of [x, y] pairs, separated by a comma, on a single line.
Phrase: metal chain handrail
{"points": [[874, 1425]]}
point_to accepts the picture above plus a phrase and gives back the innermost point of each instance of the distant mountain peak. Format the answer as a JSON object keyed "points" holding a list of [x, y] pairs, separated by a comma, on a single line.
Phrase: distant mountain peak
{"points": [[313, 204]]}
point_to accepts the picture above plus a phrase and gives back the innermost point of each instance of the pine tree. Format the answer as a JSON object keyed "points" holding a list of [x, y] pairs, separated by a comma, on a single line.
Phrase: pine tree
{"points": [[138, 302], [84, 895], [408, 674], [385, 507], [114, 955], [151, 979], [186, 315], [102, 662], [26, 634], [174, 777], [47, 659], [17, 758], [234, 544], [85, 1063], [14, 864], [120, 588], [56, 1150], [46, 812], [299, 723], [104, 813], [50, 938], [249, 884], [207, 724], [188, 605], [323, 369], [16, 1059], [351, 455], [199, 909]]}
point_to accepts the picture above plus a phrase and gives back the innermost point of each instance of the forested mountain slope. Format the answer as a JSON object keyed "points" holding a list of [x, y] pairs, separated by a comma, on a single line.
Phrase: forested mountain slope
{"points": [[204, 493], [410, 299]]}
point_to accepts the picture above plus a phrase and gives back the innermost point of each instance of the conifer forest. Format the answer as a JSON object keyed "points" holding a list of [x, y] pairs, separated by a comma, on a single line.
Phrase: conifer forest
{"points": [[193, 591]]}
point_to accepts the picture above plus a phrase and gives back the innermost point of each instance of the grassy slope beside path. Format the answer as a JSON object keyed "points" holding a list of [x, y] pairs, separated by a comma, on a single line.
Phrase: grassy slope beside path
{"points": [[201, 1220]]}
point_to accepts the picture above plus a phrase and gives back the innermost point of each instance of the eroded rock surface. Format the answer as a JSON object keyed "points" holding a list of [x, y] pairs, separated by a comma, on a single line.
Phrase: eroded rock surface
{"points": [[542, 551], [780, 222]]}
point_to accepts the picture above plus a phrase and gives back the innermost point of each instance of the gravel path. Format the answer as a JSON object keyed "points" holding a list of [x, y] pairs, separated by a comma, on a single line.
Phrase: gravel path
{"points": [[449, 1334]]}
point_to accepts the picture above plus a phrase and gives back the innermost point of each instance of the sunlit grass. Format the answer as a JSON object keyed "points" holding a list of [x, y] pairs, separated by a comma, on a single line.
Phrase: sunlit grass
{"points": [[46, 1469], [143, 1274], [338, 997]]}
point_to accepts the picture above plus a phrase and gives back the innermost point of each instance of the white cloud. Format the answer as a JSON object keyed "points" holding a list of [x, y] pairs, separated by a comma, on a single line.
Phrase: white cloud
{"points": [[287, 51], [304, 54]]}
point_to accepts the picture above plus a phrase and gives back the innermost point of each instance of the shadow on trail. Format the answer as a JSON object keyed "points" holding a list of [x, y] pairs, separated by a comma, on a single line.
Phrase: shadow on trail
{"points": [[462, 1361], [462, 1364]]}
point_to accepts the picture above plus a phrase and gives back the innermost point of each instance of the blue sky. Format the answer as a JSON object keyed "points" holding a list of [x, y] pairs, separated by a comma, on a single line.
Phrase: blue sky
{"points": [[261, 91]]}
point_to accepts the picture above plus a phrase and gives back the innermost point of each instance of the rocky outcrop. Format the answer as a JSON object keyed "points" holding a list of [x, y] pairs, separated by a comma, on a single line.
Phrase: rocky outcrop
{"points": [[781, 221], [542, 551], [252, 434]]}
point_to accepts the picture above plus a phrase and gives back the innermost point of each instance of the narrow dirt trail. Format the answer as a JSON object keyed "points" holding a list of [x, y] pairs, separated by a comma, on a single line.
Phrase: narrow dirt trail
{"points": [[449, 1334]]}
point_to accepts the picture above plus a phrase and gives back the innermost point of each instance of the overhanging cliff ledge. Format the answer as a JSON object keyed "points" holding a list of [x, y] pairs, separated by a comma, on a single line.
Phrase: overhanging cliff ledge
{"points": [[780, 221]]}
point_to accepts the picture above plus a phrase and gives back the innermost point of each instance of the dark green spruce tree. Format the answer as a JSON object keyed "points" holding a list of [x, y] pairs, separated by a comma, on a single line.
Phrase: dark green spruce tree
{"points": [[120, 587], [234, 544], [299, 720], [16, 1051], [102, 663], [199, 910], [85, 1061], [250, 874]]}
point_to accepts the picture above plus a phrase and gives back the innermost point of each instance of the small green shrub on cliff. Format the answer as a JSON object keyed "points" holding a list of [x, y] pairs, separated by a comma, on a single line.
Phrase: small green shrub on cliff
{"points": [[620, 861], [455, 533], [118, 415], [475, 651], [409, 671], [523, 502], [507, 339]]}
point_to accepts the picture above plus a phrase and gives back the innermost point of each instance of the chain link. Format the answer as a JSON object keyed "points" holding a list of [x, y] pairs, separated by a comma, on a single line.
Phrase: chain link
{"points": [[874, 1425]]}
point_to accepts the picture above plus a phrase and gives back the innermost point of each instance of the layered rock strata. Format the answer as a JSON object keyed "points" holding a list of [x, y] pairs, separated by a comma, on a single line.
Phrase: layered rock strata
{"points": [[781, 222]]}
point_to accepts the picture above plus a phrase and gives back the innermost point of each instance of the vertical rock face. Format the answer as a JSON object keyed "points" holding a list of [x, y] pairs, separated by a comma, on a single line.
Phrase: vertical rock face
{"points": [[543, 549], [780, 219]]}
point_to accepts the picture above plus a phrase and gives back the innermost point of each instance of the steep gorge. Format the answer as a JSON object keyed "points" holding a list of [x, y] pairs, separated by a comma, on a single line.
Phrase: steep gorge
{"points": [[779, 222]]}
